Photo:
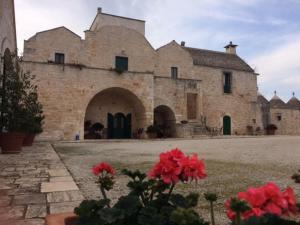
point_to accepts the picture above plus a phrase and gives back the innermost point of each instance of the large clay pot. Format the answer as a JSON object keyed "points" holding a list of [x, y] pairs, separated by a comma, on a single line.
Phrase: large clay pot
{"points": [[12, 142], [28, 140], [1, 139], [61, 219]]}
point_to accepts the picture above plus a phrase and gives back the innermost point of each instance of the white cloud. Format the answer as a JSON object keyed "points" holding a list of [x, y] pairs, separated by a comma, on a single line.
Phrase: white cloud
{"points": [[280, 68]]}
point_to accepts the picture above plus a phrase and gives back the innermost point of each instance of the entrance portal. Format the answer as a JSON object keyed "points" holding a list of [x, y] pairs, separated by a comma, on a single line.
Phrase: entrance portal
{"points": [[226, 125], [119, 110], [118, 126], [165, 120]]}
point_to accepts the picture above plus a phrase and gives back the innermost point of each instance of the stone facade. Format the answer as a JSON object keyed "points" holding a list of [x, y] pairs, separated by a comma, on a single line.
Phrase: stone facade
{"points": [[179, 87], [285, 116], [7, 28]]}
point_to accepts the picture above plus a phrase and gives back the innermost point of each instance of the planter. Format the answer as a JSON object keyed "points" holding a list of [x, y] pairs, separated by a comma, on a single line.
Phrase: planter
{"points": [[1, 139], [28, 140], [61, 219], [12, 142], [271, 131], [152, 135]]}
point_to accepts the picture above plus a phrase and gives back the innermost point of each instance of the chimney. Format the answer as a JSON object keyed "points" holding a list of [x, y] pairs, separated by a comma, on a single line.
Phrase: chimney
{"points": [[99, 10], [231, 48], [183, 44]]}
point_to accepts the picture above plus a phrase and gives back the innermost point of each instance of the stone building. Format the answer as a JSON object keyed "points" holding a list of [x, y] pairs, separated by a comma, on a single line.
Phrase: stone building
{"points": [[8, 41], [285, 116], [114, 78]]}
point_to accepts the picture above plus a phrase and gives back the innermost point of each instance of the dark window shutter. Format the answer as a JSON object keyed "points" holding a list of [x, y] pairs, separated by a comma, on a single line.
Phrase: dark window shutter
{"points": [[121, 63]]}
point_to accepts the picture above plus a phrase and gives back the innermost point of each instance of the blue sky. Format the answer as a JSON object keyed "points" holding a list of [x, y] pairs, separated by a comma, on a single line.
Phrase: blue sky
{"points": [[267, 31]]}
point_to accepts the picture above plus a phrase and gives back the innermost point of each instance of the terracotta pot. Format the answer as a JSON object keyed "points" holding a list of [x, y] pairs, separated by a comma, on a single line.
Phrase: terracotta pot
{"points": [[28, 140], [61, 219], [152, 135], [12, 142], [1, 139]]}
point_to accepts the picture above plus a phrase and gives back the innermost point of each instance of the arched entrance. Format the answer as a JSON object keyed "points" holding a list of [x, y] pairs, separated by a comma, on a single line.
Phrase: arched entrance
{"points": [[119, 110], [164, 119], [226, 125]]}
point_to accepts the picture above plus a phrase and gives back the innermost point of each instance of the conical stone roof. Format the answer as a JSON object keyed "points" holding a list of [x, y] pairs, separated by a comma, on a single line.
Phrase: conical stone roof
{"points": [[294, 103], [276, 102]]}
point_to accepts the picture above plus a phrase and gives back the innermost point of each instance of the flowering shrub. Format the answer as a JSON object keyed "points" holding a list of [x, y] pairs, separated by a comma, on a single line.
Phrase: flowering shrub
{"points": [[265, 200], [151, 200]]}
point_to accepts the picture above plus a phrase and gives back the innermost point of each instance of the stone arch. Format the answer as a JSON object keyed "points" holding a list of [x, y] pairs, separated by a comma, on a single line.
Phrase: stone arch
{"points": [[106, 106], [165, 120]]}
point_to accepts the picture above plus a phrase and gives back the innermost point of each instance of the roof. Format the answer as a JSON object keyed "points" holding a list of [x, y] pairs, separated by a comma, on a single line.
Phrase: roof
{"points": [[53, 29], [277, 102], [294, 103], [202, 57]]}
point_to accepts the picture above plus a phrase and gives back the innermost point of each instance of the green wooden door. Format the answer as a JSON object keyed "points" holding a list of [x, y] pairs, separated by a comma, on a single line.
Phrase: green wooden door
{"points": [[119, 126], [226, 125], [110, 126]]}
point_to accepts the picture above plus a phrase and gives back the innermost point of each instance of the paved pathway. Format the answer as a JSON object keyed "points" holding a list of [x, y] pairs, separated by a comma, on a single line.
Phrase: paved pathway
{"points": [[33, 184]]}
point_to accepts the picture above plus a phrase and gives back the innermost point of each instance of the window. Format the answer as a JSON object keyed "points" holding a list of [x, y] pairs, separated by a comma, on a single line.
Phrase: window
{"points": [[174, 72], [227, 82], [121, 64], [59, 58], [279, 118], [192, 106]]}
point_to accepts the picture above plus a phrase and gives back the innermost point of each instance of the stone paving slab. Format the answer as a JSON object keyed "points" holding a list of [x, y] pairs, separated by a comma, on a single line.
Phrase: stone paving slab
{"points": [[33, 184], [47, 187]]}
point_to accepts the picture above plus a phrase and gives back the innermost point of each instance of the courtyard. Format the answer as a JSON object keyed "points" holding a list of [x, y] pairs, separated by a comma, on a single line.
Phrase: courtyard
{"points": [[233, 164]]}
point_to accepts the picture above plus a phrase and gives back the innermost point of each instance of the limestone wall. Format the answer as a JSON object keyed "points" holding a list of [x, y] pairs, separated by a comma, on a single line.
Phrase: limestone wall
{"points": [[7, 28], [66, 91], [289, 122], [103, 19], [43, 46]]}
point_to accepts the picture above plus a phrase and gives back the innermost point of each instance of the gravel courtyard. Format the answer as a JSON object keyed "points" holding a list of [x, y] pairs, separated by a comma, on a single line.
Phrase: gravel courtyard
{"points": [[233, 164]]}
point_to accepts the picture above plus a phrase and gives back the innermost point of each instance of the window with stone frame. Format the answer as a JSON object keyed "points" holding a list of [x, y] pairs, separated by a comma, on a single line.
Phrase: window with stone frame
{"points": [[59, 58], [227, 82], [174, 72], [192, 99]]}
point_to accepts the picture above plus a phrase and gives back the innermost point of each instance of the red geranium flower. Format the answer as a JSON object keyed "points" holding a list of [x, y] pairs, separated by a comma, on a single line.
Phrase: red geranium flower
{"points": [[174, 166], [193, 168], [100, 168], [266, 199]]}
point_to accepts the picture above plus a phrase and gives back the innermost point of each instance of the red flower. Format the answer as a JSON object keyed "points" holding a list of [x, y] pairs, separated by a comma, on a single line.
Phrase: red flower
{"points": [[174, 166], [266, 199], [100, 168], [169, 166], [193, 168]]}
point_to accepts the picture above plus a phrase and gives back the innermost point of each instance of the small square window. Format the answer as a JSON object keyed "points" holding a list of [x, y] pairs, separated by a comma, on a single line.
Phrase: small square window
{"points": [[174, 72], [59, 58], [279, 118], [121, 64]]}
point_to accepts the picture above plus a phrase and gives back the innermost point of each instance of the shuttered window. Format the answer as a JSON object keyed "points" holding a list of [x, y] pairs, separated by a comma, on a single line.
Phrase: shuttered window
{"points": [[121, 63], [227, 78], [59, 58], [192, 106], [174, 72]]}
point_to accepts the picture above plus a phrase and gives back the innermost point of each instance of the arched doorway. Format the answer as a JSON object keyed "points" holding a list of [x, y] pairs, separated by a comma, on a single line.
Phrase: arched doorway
{"points": [[164, 119], [119, 110], [226, 125]]}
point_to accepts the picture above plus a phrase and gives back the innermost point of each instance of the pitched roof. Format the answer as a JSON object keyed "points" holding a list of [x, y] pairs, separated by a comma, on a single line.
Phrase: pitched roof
{"points": [[223, 60]]}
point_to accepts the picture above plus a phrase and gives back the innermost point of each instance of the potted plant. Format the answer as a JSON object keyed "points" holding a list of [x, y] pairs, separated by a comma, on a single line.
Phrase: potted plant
{"points": [[152, 131], [13, 112], [34, 110], [271, 128]]}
